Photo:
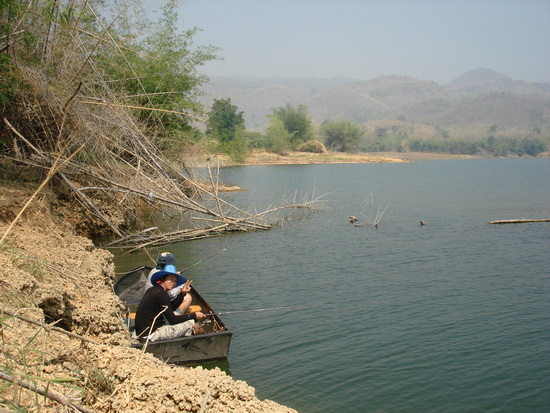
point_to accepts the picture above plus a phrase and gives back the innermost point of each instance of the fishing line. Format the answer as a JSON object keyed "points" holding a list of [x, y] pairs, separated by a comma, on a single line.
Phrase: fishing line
{"points": [[264, 309]]}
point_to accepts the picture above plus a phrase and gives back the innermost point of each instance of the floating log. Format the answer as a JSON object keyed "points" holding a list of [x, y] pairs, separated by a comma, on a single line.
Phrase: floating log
{"points": [[517, 221]]}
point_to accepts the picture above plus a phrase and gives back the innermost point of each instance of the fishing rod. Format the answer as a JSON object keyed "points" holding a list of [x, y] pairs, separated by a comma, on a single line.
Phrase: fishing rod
{"points": [[207, 258], [257, 310], [211, 256], [198, 262]]}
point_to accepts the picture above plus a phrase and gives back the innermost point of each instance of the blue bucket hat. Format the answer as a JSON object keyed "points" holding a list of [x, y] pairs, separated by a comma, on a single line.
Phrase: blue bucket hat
{"points": [[168, 270]]}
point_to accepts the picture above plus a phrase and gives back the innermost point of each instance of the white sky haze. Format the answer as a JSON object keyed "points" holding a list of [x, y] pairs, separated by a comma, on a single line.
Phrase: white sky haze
{"points": [[436, 40]]}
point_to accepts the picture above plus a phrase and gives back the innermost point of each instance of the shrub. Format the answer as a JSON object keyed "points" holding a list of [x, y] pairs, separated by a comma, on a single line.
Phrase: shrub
{"points": [[313, 146]]}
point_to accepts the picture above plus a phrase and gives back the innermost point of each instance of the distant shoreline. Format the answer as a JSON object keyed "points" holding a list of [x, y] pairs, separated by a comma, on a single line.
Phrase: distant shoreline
{"points": [[308, 158]]}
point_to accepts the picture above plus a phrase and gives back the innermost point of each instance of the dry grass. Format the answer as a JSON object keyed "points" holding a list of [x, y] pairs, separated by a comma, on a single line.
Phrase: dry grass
{"points": [[304, 158], [297, 158]]}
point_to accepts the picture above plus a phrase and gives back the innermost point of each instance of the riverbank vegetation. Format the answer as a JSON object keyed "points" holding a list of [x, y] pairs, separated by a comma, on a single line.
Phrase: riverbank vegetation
{"points": [[291, 128], [101, 105]]}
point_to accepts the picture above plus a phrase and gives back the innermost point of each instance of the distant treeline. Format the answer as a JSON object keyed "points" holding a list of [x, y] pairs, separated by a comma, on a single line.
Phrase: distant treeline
{"points": [[488, 146], [291, 129]]}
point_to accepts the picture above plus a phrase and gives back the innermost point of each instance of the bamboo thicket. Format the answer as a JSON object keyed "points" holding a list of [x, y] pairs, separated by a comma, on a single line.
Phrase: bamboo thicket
{"points": [[81, 102]]}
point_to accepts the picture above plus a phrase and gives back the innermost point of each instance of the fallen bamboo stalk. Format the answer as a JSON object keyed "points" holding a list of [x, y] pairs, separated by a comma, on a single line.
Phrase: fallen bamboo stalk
{"points": [[235, 221], [158, 242], [215, 191], [89, 204], [190, 204], [517, 221], [65, 401], [243, 225], [56, 166], [138, 234], [194, 206], [143, 108]]}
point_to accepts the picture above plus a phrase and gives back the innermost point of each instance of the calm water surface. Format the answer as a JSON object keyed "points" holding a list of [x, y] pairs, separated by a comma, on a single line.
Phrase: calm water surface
{"points": [[453, 316]]}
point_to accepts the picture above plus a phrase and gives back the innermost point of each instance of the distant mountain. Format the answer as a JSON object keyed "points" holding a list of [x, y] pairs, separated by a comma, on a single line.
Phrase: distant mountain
{"points": [[480, 81], [375, 99], [257, 97], [479, 98]]}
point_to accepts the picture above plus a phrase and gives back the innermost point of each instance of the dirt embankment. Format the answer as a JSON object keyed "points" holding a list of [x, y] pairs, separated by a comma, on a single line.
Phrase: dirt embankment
{"points": [[50, 274]]}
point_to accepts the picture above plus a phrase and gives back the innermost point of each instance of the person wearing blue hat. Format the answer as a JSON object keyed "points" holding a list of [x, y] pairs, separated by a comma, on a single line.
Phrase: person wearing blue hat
{"points": [[167, 262], [155, 316]]}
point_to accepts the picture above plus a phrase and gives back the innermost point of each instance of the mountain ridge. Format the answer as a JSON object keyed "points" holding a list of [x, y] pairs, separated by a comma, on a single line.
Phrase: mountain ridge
{"points": [[480, 97]]}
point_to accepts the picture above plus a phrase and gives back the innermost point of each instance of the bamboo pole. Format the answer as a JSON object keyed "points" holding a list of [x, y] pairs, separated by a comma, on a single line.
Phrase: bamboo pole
{"points": [[56, 166], [89, 204], [175, 112]]}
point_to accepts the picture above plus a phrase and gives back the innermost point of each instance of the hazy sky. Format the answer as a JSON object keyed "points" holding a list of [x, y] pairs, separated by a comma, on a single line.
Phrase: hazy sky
{"points": [[436, 40]]}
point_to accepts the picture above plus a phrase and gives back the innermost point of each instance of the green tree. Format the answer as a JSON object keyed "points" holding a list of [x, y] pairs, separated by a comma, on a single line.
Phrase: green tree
{"points": [[238, 148], [277, 137], [492, 130], [534, 147], [158, 70], [257, 140], [381, 133], [224, 120], [297, 122], [341, 135], [442, 132]]}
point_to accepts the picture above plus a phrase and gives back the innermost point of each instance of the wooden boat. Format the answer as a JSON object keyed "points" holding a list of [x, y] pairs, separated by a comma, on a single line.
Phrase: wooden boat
{"points": [[213, 345]]}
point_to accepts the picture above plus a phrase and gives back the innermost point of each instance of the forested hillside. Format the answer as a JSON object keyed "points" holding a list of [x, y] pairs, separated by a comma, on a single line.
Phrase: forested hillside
{"points": [[481, 102]]}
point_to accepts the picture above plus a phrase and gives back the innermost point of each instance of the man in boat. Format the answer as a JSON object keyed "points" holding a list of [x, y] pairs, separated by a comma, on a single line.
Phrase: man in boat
{"points": [[167, 262], [156, 308]]}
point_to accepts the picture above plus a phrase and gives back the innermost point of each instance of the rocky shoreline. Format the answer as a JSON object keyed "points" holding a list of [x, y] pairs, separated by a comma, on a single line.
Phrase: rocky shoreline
{"points": [[52, 275]]}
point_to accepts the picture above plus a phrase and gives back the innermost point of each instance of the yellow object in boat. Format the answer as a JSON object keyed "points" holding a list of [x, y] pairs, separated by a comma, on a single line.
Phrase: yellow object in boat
{"points": [[194, 308]]}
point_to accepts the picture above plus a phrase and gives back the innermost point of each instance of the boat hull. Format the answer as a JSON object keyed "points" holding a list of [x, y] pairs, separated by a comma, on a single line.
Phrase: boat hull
{"points": [[210, 346], [194, 349]]}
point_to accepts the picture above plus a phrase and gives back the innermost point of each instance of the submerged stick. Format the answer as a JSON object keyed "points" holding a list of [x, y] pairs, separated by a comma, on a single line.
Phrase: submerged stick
{"points": [[517, 221]]}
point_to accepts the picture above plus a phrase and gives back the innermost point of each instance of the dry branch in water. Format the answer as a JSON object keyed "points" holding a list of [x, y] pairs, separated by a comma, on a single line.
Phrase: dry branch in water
{"points": [[158, 185], [154, 182], [375, 222], [517, 221]]}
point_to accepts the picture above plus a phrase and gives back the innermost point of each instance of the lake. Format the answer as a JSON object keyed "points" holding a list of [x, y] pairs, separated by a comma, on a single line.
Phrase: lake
{"points": [[451, 316]]}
